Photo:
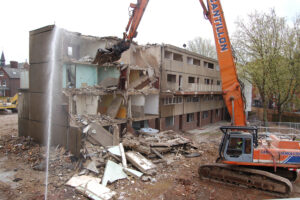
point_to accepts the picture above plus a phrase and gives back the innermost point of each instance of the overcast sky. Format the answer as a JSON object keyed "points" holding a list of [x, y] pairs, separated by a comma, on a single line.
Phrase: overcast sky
{"points": [[165, 21]]}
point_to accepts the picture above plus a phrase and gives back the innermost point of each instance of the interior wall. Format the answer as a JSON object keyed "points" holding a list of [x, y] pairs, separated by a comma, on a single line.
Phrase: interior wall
{"points": [[108, 72], [86, 74], [152, 104], [138, 100], [134, 75], [86, 104], [104, 102]]}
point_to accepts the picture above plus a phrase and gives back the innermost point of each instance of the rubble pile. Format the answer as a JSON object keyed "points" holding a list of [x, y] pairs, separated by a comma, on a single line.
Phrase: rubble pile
{"points": [[24, 147], [102, 162], [156, 144], [62, 164], [101, 119], [133, 156]]}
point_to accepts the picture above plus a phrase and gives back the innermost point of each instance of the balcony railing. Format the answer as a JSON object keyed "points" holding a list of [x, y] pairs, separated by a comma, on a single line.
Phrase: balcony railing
{"points": [[194, 87], [203, 88]]}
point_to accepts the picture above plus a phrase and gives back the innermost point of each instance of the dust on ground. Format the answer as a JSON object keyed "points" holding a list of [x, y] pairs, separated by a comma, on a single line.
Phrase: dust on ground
{"points": [[22, 174], [8, 123]]}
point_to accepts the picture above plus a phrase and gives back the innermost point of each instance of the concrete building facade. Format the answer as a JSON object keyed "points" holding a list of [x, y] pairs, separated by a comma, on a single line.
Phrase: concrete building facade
{"points": [[190, 89]]}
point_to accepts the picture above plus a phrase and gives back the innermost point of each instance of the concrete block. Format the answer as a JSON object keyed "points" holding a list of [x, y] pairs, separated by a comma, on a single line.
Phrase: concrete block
{"points": [[40, 45], [140, 162], [23, 104], [74, 140], [38, 110], [100, 135], [39, 133], [116, 135], [23, 127], [39, 77]]}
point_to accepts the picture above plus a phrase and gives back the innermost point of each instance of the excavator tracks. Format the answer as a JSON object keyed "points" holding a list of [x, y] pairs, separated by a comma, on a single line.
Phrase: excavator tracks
{"points": [[251, 178]]}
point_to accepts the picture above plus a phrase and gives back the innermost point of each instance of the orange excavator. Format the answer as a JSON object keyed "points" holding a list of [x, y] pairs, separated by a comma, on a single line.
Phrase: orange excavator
{"points": [[263, 161]]}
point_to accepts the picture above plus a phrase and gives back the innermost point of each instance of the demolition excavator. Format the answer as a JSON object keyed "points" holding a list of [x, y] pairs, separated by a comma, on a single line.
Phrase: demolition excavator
{"points": [[264, 161]]}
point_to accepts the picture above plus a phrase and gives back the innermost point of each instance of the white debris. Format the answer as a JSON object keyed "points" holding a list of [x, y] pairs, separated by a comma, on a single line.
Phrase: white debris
{"points": [[90, 187], [115, 150], [124, 162], [140, 161], [133, 172], [86, 129], [112, 172], [92, 167]]}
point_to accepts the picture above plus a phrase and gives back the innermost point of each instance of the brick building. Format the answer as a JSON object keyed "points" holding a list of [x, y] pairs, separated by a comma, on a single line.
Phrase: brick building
{"points": [[10, 77]]}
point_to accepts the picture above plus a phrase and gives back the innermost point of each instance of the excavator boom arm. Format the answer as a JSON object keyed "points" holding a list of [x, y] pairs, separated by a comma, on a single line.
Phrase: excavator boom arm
{"points": [[231, 87], [114, 53], [135, 18]]}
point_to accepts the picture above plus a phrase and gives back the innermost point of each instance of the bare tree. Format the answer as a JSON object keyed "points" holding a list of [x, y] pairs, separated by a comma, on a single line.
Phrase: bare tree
{"points": [[202, 46], [268, 49]]}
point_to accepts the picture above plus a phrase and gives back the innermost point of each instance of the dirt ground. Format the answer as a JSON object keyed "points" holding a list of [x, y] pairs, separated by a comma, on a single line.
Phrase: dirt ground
{"points": [[178, 180], [8, 124]]}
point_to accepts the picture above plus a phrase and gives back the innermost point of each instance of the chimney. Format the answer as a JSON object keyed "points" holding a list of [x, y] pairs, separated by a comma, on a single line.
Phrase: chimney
{"points": [[13, 64]]}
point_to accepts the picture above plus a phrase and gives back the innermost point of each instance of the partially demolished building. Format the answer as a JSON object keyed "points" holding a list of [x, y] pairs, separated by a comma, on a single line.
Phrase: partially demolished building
{"points": [[191, 93], [156, 86]]}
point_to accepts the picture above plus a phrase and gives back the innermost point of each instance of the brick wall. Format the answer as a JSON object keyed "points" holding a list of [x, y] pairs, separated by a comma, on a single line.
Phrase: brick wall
{"points": [[14, 85], [151, 123], [189, 125], [206, 120], [175, 127], [5, 78], [219, 116]]}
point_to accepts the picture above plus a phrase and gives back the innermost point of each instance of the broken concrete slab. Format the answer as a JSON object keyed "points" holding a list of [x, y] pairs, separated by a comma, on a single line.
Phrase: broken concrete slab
{"points": [[149, 131], [109, 82], [86, 129], [192, 155], [96, 191], [133, 172], [112, 172], [122, 151], [115, 150], [78, 180], [157, 153], [138, 82], [140, 162], [92, 167], [114, 107], [100, 135], [116, 135], [90, 187], [170, 143]]}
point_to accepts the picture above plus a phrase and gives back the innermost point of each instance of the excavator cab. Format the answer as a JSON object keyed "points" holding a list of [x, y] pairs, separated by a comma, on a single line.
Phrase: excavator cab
{"points": [[238, 143]]}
